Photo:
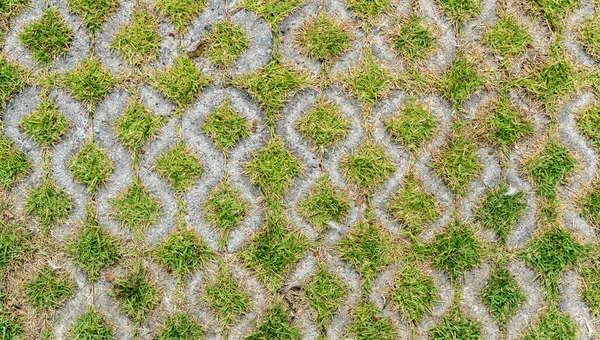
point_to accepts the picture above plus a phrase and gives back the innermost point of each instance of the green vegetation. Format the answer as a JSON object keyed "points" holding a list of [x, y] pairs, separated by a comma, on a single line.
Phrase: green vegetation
{"points": [[589, 205], [412, 38], [180, 12], [323, 125], [505, 126], [323, 204], [180, 166], [46, 125], [501, 210], [589, 35], [412, 126], [48, 37], [460, 81], [89, 81], [93, 12], [136, 126], [50, 204], [275, 325], [14, 166], [273, 11], [91, 166], [324, 294], [590, 284], [11, 80], [413, 207], [502, 296], [589, 124], [413, 293], [225, 126], [507, 38], [225, 43], [550, 83], [136, 294], [370, 82], [14, 243], [183, 252], [550, 168], [136, 208], [49, 288], [181, 83], [225, 210], [368, 8], [180, 327], [91, 326], [11, 329], [138, 41], [460, 11], [368, 324], [368, 167], [12, 8], [553, 325], [323, 38], [554, 11], [456, 328]]}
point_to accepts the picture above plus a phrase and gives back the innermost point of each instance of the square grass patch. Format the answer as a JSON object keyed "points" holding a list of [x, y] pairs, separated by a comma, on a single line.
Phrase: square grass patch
{"points": [[180, 327], [91, 326], [136, 294], [225, 126], [502, 296], [136, 208], [91, 166], [589, 35], [367, 167], [460, 81], [272, 11], [14, 166], [180, 13], [412, 38], [456, 328], [413, 294], [505, 125], [413, 207], [325, 203], [14, 243], [48, 203], [225, 210], [46, 125], [324, 38], [93, 12], [48, 37], [180, 166], [49, 288], [507, 38], [324, 293], [183, 252], [552, 325], [11, 79], [276, 324], [136, 126], [549, 168], [412, 126], [500, 210], [89, 82], [460, 11], [138, 42], [181, 83], [323, 125], [367, 323], [225, 43], [370, 81]]}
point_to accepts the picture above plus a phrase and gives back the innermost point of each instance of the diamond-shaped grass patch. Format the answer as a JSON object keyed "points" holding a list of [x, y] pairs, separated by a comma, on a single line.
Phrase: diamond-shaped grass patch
{"points": [[323, 204], [48, 203], [367, 248], [367, 167], [456, 328], [412, 126], [552, 82], [91, 166], [225, 126], [370, 81], [368, 8], [502, 296], [590, 285], [506, 125], [91, 325], [136, 208], [93, 12], [456, 250], [225, 210], [276, 324], [553, 325], [136, 126], [323, 38], [460, 81], [226, 297], [501, 210], [136, 293], [589, 124], [89, 82], [180, 166], [14, 165], [183, 252], [49, 288], [549, 168], [367, 323], [589, 35], [272, 11], [48, 37], [180, 12], [412, 38], [589, 205], [225, 43], [11, 80], [413, 207], [413, 294], [507, 38], [323, 125], [460, 11], [324, 293], [138, 41], [180, 327], [46, 125]]}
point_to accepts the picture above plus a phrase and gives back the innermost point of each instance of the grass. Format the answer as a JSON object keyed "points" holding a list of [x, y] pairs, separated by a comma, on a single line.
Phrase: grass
{"points": [[369, 82], [180, 13], [589, 287], [323, 125], [136, 126], [324, 203], [457, 163], [226, 297], [589, 124], [48, 203], [412, 126], [412, 38], [225, 126], [589, 205], [10, 328], [91, 166], [89, 82], [272, 85], [225, 43], [138, 42], [14, 243], [48, 37], [272, 11], [183, 252], [136, 294], [323, 38], [49, 288], [180, 166], [553, 325], [367, 324], [589, 34], [554, 10], [366, 248], [135, 208], [460, 81], [225, 210], [459, 11], [274, 250], [14, 165], [552, 82], [365, 9], [502, 296], [367, 167], [507, 38], [413, 207], [273, 167], [505, 126], [91, 326], [275, 325], [11, 79], [180, 326], [46, 125], [93, 12], [181, 83], [12, 8], [413, 294], [549, 168], [324, 293], [500, 210], [456, 250], [455, 328]]}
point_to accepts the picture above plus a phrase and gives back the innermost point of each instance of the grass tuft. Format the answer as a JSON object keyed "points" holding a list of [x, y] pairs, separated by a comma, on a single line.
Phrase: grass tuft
{"points": [[272, 11], [14, 165], [550, 168], [324, 293], [137, 126], [225, 209], [225, 126], [554, 11], [49, 203], [590, 283], [368, 324], [11, 80], [93, 12], [589, 35], [460, 81], [501, 210], [180, 166], [459, 328], [136, 208], [49, 288], [502, 296], [553, 325], [180, 327], [183, 252], [552, 82], [91, 166], [12, 8], [181, 83], [370, 82], [505, 126], [507, 38], [10, 327], [365, 9], [323, 125], [323, 38], [589, 205], [412, 38], [48, 37], [589, 124], [413, 293], [138, 42], [91, 326], [14, 243], [276, 324], [136, 294], [46, 125], [323, 204], [413, 207], [180, 12], [460, 11], [368, 167], [89, 82], [225, 43], [412, 126]]}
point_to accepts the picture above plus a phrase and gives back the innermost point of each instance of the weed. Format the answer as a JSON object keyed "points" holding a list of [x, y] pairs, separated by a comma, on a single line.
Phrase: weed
{"points": [[324, 294], [11, 80], [137, 126], [412, 39], [502, 296], [93, 12], [323, 125], [323, 204], [89, 82], [91, 326], [46, 125], [456, 328], [181, 83], [589, 124], [413, 207], [323, 38], [368, 324], [180, 166], [180, 327], [225, 210], [136, 208], [180, 12], [225, 126], [413, 293], [275, 325], [367, 167], [225, 43], [553, 325], [14, 165], [138, 41], [49, 288], [460, 11], [91, 166], [49, 203], [183, 252], [47, 38], [507, 38], [589, 35], [136, 294], [501, 210], [550, 168], [412, 126], [272, 11], [505, 125], [370, 82], [460, 81], [368, 8]]}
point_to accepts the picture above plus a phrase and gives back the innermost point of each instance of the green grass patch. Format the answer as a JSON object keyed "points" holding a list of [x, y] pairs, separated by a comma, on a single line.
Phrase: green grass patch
{"points": [[225, 209], [323, 38], [549, 168], [180, 166], [460, 11], [413, 294], [367, 8], [225, 43], [12, 8], [507, 38], [46, 125], [138, 42], [552, 325], [589, 205], [89, 82], [412, 126], [456, 328], [273, 167], [14, 242], [370, 81], [324, 293], [10, 327], [367, 167], [183, 252], [91, 166], [589, 34], [14, 166], [48, 37], [554, 11], [505, 126], [136, 208], [180, 12], [412, 38], [367, 324], [136, 294], [180, 327], [323, 125], [272, 11], [91, 326], [460, 81], [456, 250], [136, 126], [276, 324], [49, 288], [500, 210], [226, 297], [367, 248], [589, 287], [502, 296], [181, 83], [589, 124], [11, 80], [552, 82], [50, 204], [413, 207], [324, 203], [93, 12], [225, 126]]}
